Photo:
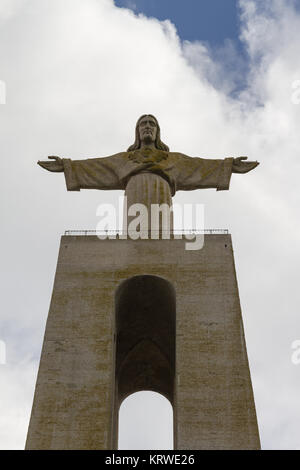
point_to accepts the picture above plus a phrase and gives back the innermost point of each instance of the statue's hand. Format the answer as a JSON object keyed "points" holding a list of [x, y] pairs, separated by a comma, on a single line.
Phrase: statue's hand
{"points": [[240, 166], [57, 166]]}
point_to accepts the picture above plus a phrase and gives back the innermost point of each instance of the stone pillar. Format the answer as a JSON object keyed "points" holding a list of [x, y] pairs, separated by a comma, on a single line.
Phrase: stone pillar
{"points": [[205, 371]]}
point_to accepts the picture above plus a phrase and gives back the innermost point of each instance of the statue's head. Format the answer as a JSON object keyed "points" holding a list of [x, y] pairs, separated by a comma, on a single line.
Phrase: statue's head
{"points": [[147, 130]]}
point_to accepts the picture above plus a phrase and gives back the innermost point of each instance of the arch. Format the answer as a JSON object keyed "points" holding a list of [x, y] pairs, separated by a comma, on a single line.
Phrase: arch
{"points": [[145, 332]]}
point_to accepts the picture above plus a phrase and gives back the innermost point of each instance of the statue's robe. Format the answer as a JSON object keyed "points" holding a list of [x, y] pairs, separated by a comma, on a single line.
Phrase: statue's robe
{"points": [[147, 176]]}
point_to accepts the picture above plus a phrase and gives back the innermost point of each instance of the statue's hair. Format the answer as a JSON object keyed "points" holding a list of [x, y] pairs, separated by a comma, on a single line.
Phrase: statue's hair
{"points": [[158, 143]]}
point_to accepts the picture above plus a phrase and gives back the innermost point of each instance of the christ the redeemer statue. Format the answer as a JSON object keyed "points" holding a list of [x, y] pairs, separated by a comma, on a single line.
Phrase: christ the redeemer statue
{"points": [[148, 172]]}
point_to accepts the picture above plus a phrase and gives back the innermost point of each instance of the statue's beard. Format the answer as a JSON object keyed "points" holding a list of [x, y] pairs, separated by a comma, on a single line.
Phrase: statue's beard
{"points": [[148, 139]]}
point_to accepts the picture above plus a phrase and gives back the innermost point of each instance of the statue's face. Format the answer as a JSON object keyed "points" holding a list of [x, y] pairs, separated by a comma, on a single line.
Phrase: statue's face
{"points": [[147, 129]]}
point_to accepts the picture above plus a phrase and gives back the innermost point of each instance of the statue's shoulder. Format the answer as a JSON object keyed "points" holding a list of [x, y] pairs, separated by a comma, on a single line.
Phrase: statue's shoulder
{"points": [[118, 157], [121, 155], [115, 156], [184, 158], [178, 156]]}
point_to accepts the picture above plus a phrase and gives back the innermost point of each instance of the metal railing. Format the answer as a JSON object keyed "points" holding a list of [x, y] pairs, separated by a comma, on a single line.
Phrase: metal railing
{"points": [[211, 231]]}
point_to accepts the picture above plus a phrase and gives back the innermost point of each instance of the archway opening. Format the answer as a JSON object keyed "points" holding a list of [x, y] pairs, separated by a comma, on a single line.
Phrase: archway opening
{"points": [[146, 422], [145, 335]]}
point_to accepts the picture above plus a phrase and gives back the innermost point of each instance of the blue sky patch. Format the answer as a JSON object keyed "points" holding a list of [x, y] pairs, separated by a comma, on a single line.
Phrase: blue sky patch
{"points": [[204, 20]]}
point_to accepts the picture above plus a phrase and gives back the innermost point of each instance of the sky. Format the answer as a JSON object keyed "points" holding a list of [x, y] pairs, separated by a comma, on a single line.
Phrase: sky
{"points": [[211, 21], [77, 76], [215, 23]]}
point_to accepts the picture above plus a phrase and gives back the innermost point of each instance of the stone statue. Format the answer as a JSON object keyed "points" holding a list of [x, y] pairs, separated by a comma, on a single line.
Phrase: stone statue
{"points": [[148, 172]]}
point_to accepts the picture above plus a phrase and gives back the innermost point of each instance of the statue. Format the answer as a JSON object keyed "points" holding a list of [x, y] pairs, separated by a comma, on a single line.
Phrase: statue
{"points": [[148, 172]]}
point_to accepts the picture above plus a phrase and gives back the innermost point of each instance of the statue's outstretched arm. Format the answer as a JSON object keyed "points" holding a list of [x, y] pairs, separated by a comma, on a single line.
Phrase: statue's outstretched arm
{"points": [[90, 173], [240, 166], [56, 166], [201, 173]]}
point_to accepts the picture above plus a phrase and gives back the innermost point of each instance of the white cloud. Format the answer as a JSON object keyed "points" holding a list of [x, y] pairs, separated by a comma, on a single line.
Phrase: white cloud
{"points": [[78, 75], [17, 387], [9, 8]]}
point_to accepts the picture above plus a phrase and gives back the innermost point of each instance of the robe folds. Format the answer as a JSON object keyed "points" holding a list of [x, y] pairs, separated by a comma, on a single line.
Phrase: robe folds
{"points": [[148, 176]]}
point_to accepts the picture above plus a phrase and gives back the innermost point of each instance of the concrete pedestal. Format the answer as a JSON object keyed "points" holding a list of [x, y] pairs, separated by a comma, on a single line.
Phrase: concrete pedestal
{"points": [[132, 315]]}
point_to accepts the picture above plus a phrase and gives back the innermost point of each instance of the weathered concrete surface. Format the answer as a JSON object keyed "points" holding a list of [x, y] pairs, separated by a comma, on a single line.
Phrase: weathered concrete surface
{"points": [[75, 406]]}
